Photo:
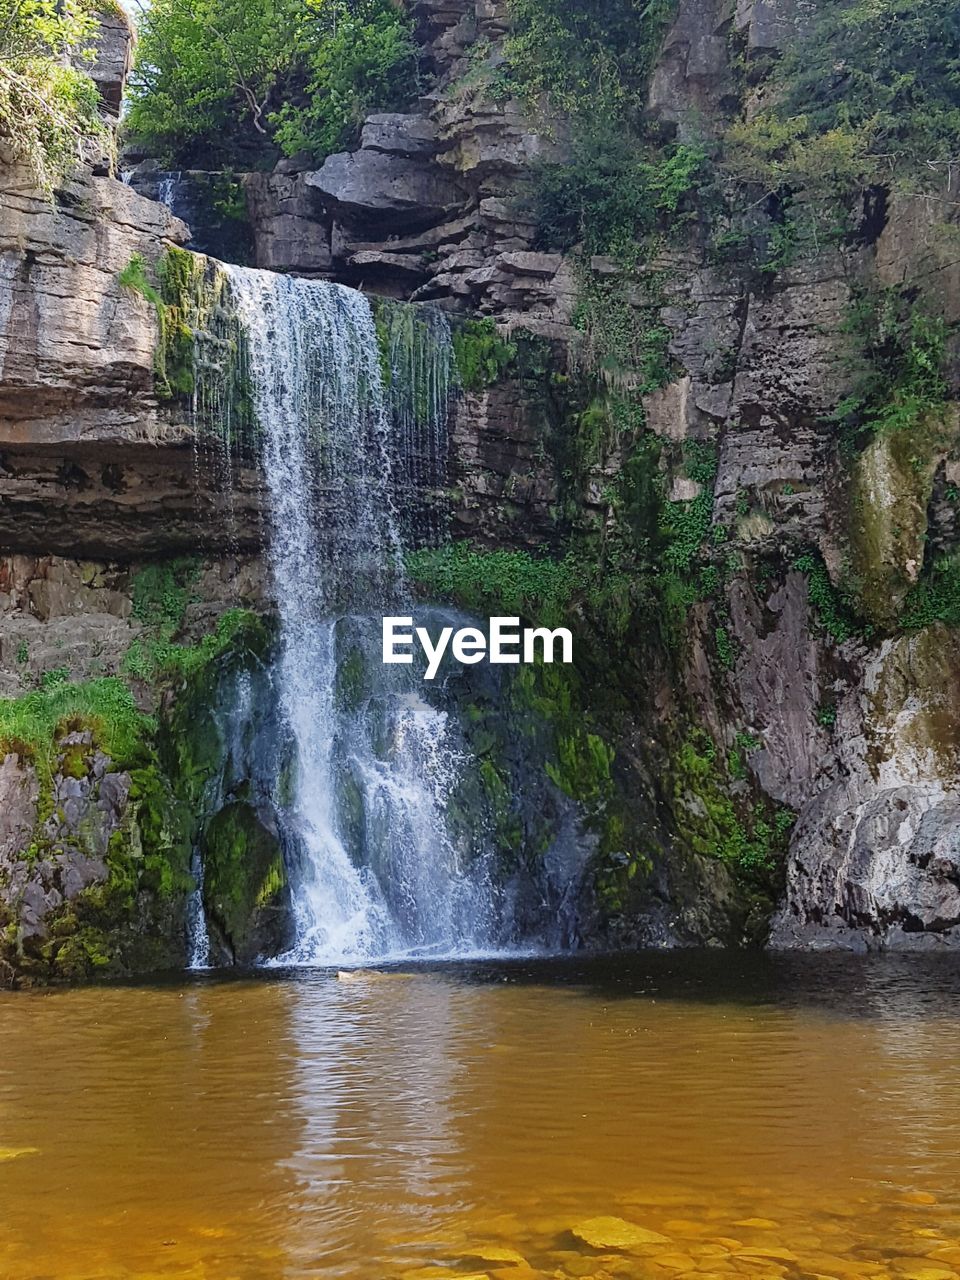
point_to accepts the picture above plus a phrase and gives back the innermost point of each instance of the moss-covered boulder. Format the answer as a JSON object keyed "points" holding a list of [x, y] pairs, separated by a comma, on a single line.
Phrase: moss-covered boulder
{"points": [[94, 862], [892, 487], [245, 890]]}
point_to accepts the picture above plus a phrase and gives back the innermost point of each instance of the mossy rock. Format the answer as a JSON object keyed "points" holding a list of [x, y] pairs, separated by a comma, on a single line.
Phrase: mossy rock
{"points": [[245, 889], [891, 491]]}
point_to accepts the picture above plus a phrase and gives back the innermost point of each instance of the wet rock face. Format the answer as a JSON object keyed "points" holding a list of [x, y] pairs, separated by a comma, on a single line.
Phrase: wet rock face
{"points": [[90, 463], [47, 864], [245, 891], [875, 859]]}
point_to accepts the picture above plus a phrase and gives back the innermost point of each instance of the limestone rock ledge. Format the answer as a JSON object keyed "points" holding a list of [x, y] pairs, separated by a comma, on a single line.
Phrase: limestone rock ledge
{"points": [[90, 462]]}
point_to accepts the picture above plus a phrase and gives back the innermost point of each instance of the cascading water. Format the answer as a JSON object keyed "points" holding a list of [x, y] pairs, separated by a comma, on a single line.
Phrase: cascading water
{"points": [[349, 450]]}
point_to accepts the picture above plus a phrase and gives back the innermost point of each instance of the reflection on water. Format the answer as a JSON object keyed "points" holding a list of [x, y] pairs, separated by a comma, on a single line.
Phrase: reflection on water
{"points": [[760, 1118]]}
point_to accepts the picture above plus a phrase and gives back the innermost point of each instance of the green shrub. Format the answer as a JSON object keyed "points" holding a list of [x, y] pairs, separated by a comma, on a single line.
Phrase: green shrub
{"points": [[47, 107], [587, 58], [510, 582], [834, 610], [871, 88], [614, 190], [935, 598], [161, 593], [904, 349]]}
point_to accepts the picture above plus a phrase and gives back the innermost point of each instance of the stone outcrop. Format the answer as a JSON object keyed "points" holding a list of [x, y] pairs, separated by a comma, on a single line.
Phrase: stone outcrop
{"points": [[875, 860], [95, 851], [432, 204], [90, 462], [113, 49]]}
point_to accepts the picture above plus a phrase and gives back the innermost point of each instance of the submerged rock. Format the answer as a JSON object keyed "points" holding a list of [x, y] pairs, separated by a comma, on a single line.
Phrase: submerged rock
{"points": [[615, 1233]]}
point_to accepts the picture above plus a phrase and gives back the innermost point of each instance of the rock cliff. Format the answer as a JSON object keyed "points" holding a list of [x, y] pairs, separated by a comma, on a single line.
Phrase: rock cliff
{"points": [[785, 740]]}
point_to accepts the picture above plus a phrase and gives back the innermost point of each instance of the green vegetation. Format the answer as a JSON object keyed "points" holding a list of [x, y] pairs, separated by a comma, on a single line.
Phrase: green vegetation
{"points": [[685, 525], [132, 917], [184, 300], [34, 723], [243, 874], [616, 190], [47, 106], [546, 591], [744, 744], [869, 92], [161, 593], [482, 356], [624, 344], [709, 819], [511, 582], [242, 79], [935, 598], [586, 58], [622, 182], [153, 658], [835, 611], [826, 715], [901, 387]]}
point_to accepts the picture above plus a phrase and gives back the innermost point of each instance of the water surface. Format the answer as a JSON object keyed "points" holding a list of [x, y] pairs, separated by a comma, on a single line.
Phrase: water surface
{"points": [[766, 1117]]}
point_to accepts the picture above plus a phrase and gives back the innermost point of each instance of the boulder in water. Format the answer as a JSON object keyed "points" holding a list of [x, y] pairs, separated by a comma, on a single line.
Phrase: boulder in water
{"points": [[245, 890], [615, 1233]]}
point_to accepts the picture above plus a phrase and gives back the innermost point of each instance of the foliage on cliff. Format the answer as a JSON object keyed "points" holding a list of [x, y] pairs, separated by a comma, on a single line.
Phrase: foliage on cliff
{"points": [[47, 106], [586, 58], [233, 79], [869, 89]]}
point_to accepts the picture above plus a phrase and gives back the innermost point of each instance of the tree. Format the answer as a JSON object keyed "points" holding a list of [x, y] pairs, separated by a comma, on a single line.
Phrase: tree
{"points": [[47, 106], [224, 78]]}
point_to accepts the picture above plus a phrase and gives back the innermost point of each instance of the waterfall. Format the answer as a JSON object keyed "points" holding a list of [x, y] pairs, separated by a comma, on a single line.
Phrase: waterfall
{"points": [[351, 437]]}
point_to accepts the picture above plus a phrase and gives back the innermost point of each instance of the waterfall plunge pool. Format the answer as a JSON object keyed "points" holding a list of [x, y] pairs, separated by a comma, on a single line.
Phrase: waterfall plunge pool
{"points": [[744, 1116]]}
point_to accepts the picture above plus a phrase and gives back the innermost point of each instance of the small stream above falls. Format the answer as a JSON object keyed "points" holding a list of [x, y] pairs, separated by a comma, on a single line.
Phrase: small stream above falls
{"points": [[370, 762]]}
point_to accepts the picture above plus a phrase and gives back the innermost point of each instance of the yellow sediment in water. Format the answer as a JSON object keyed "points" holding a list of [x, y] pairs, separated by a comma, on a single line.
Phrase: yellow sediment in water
{"points": [[364, 1130]]}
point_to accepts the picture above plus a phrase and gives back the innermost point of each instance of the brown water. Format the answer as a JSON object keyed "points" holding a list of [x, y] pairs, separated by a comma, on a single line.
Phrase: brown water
{"points": [[766, 1119]]}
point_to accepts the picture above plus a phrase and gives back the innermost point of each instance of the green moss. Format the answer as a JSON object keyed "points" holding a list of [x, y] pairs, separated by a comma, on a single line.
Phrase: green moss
{"points": [[243, 874], [35, 722], [891, 491], [483, 357], [578, 761], [711, 823], [181, 298], [353, 685], [508, 832]]}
